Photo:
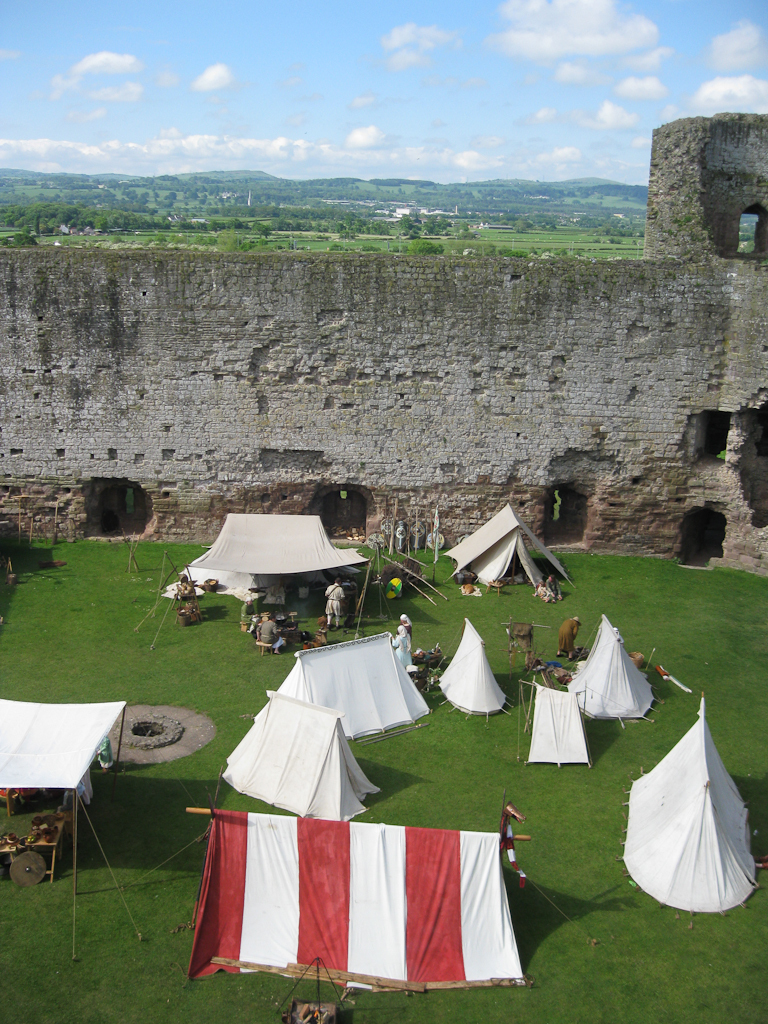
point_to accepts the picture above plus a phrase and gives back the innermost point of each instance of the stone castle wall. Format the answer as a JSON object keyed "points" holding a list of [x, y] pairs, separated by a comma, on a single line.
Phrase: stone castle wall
{"points": [[207, 383]]}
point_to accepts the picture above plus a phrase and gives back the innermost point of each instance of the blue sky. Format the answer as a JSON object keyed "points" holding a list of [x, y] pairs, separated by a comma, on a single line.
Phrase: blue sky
{"points": [[543, 89]]}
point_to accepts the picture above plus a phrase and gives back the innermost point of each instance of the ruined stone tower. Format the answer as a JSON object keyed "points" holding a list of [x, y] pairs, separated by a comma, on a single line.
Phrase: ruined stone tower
{"points": [[705, 173]]}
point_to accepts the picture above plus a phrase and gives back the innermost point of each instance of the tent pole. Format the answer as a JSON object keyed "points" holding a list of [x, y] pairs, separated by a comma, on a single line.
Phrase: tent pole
{"points": [[74, 866], [117, 759]]}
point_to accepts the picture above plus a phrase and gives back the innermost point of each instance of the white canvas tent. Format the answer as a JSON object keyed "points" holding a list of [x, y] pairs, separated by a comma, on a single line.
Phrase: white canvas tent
{"points": [[363, 679], [51, 746], [296, 757], [612, 685], [687, 835], [273, 545], [489, 550], [468, 682], [558, 735]]}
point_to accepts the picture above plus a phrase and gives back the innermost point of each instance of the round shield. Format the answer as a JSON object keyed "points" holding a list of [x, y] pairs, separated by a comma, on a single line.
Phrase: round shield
{"points": [[394, 588], [28, 868], [375, 541], [440, 541], [418, 530]]}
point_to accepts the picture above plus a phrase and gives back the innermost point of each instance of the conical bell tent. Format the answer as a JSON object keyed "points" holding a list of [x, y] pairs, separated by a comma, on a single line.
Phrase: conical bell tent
{"points": [[612, 684], [468, 682], [687, 835]]}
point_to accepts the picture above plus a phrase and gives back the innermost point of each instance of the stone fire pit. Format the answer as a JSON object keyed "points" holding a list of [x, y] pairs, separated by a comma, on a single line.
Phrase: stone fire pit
{"points": [[152, 734]]}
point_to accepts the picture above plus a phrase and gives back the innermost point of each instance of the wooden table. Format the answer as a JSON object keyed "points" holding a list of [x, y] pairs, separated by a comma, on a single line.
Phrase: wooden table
{"points": [[54, 846]]}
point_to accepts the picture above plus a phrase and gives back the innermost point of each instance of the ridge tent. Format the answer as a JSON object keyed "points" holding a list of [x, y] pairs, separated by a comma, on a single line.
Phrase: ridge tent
{"points": [[688, 835], [413, 905], [468, 682], [51, 746], [273, 545], [558, 735], [296, 757], [363, 679], [613, 686], [490, 549]]}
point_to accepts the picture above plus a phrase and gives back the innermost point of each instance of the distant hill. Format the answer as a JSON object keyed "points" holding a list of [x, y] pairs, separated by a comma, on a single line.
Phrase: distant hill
{"points": [[246, 192]]}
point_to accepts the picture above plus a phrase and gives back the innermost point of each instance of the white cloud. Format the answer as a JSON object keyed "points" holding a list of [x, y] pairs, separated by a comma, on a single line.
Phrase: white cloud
{"points": [[745, 94], [641, 142], [650, 61], [10, 54], [437, 123], [102, 63], [166, 79], [648, 88], [668, 113], [545, 115], [610, 116], [128, 92], [365, 138], [83, 116], [410, 45], [471, 160], [296, 120], [560, 155], [571, 73], [292, 82], [488, 141], [546, 30], [474, 83], [366, 99], [743, 47], [106, 63], [215, 76]]}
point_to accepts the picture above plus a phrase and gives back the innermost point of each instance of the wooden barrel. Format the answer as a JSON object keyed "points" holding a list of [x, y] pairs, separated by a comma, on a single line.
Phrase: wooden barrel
{"points": [[183, 618], [11, 579]]}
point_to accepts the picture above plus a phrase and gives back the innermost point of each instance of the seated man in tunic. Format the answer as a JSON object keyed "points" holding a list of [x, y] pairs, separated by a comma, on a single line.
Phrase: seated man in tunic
{"points": [[268, 633]]}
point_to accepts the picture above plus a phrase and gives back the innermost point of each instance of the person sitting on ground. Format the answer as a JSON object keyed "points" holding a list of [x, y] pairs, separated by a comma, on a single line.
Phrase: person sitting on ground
{"points": [[553, 589], [542, 593], [268, 633], [334, 596], [566, 637]]}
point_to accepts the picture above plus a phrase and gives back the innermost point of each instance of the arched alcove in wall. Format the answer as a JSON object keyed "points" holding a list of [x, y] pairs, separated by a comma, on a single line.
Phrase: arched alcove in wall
{"points": [[565, 515], [753, 229], [702, 533], [343, 509], [116, 507]]}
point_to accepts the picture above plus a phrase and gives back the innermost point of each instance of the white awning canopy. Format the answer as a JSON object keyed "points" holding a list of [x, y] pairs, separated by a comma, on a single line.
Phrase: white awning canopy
{"points": [[468, 682], [296, 757], [274, 545], [687, 835], [489, 550], [361, 678], [51, 746]]}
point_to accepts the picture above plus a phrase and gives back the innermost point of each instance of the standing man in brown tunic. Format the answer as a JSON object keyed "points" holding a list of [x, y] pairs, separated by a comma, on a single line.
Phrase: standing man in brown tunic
{"points": [[566, 638]]}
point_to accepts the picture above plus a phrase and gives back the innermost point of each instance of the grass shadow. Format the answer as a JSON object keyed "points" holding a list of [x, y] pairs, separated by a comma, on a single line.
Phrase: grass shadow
{"points": [[601, 735], [538, 911], [389, 780]]}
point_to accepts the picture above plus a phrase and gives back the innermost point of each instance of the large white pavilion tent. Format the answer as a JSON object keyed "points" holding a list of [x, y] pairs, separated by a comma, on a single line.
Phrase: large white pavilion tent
{"points": [[258, 550]]}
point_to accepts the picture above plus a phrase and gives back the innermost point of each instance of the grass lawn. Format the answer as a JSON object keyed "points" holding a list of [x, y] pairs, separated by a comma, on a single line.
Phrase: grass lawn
{"points": [[604, 952]]}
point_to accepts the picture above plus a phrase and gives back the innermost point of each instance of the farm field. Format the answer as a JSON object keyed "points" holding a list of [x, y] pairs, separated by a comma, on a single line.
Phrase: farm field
{"points": [[599, 950], [561, 242]]}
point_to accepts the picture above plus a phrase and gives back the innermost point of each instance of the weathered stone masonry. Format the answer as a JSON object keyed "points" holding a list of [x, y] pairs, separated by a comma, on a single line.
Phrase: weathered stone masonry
{"points": [[158, 392]]}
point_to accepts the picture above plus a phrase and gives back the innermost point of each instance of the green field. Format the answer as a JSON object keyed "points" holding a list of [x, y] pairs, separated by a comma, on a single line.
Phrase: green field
{"points": [[599, 951], [560, 242]]}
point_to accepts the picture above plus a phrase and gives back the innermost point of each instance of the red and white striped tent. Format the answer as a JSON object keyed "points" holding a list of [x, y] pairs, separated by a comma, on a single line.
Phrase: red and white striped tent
{"points": [[373, 901]]}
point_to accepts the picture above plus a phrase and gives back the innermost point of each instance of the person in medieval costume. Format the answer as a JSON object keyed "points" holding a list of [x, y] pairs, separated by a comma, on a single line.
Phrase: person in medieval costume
{"points": [[405, 621], [402, 644], [566, 638], [106, 760], [334, 595]]}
